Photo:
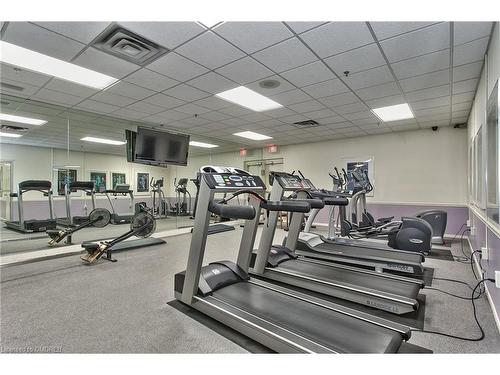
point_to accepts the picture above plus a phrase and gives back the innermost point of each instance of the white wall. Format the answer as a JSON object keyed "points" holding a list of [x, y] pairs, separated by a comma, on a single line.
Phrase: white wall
{"points": [[415, 166]]}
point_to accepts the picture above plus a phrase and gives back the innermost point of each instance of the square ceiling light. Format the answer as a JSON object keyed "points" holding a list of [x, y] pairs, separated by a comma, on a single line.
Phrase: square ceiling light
{"points": [[21, 119], [202, 144], [253, 136], [40, 63], [249, 99], [394, 112]]}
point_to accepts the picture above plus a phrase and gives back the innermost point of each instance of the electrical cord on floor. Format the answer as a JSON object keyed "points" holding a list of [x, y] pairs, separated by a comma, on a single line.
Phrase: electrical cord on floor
{"points": [[453, 281], [472, 263], [462, 243], [456, 234], [455, 295], [481, 337]]}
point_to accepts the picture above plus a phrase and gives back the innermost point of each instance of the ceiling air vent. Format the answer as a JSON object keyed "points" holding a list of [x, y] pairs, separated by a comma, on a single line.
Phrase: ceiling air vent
{"points": [[11, 87], [126, 45], [306, 124], [13, 128]]}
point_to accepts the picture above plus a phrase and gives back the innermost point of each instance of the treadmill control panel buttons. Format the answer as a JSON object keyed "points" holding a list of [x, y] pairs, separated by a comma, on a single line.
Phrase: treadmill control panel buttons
{"points": [[234, 181]]}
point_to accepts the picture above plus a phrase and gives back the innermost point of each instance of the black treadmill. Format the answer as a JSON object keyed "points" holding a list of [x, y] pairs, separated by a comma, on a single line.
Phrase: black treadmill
{"points": [[123, 190], [284, 320], [32, 225]]}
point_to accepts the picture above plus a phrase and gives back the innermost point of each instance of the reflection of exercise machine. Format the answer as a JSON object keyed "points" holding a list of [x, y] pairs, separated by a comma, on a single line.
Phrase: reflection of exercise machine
{"points": [[160, 206], [142, 225], [123, 190], [88, 189], [98, 218], [32, 225], [183, 206]]}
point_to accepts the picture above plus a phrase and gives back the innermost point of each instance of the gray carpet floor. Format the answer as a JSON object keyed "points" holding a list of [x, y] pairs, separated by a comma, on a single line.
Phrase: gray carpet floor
{"points": [[122, 307]]}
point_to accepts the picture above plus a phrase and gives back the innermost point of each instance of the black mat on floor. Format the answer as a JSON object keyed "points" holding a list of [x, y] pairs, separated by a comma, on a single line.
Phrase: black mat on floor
{"points": [[249, 344], [428, 276], [440, 254], [218, 228], [223, 330]]}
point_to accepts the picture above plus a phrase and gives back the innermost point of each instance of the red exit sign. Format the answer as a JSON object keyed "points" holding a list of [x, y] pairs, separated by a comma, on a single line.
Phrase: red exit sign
{"points": [[272, 149]]}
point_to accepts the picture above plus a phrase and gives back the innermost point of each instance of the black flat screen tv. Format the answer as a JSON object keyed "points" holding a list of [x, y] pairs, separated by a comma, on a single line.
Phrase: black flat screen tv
{"points": [[147, 146]]}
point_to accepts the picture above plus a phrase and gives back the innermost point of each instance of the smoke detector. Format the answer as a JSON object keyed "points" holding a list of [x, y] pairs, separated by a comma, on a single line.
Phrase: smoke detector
{"points": [[269, 84], [125, 44]]}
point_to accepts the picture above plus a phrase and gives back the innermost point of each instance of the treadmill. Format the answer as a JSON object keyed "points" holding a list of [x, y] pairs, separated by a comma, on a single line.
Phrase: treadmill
{"points": [[391, 293], [279, 318], [32, 225], [124, 190], [358, 253], [88, 188]]}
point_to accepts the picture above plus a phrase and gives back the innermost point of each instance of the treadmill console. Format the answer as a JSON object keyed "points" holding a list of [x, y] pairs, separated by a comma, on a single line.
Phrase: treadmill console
{"points": [[291, 181], [234, 181]]}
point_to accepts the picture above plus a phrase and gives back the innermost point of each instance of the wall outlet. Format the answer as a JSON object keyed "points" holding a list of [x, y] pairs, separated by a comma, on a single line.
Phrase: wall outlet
{"points": [[484, 253], [497, 279], [472, 231]]}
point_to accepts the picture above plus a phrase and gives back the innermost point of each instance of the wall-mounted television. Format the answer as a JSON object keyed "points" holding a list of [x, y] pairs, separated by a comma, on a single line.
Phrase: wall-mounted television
{"points": [[148, 146]]}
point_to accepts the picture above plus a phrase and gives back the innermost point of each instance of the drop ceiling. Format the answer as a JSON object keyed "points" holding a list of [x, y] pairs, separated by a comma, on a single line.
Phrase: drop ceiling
{"points": [[434, 66]]}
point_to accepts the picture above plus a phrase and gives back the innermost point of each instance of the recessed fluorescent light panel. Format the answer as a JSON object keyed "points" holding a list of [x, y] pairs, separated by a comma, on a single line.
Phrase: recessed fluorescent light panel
{"points": [[394, 112], [38, 62], [202, 144], [249, 99], [10, 135], [253, 136], [102, 140], [21, 120]]}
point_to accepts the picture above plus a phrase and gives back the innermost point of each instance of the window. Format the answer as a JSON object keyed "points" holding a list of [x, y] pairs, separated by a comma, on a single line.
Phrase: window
{"points": [[493, 165], [479, 169]]}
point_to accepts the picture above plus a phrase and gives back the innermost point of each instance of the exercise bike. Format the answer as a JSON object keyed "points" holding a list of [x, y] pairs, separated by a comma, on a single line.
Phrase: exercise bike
{"points": [[142, 225], [98, 218]]}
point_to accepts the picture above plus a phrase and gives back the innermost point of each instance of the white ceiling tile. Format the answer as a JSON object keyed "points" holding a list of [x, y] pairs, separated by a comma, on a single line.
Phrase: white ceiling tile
{"points": [[433, 79], [293, 118], [320, 114], [351, 108], [378, 91], [235, 110], [151, 80], [172, 115], [285, 55], [359, 115], [177, 67], [420, 42], [104, 63], [213, 102], [386, 101], [215, 116], [254, 117], [464, 106], [84, 32], [167, 34], [95, 106], [234, 122], [164, 101], [309, 106], [337, 37], [145, 107], [192, 109], [465, 86], [434, 117], [308, 74], [210, 50], [280, 112], [185, 92], [333, 120], [57, 97], [245, 70], [212, 82], [197, 121], [468, 71], [327, 88], [300, 27], [130, 90], [433, 92], [367, 78], [470, 52], [283, 86], [26, 92], [38, 39], [253, 36], [467, 31], [437, 111], [384, 30], [338, 100], [70, 88], [422, 64], [21, 75], [429, 103], [129, 114], [363, 58], [463, 97]]}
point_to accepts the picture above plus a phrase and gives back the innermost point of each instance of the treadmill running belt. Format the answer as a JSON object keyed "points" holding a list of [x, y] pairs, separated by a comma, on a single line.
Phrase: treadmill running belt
{"points": [[363, 252], [364, 280], [340, 332]]}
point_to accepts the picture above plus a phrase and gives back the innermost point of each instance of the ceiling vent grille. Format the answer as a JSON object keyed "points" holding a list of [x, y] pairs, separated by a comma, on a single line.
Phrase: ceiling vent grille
{"points": [[12, 128], [125, 44], [306, 124], [8, 86]]}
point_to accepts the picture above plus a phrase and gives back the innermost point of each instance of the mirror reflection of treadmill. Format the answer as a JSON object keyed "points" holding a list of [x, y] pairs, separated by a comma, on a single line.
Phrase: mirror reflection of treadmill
{"points": [[120, 190]]}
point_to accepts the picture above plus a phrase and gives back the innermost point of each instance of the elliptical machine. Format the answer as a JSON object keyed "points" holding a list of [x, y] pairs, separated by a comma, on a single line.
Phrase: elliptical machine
{"points": [[183, 205], [159, 207]]}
